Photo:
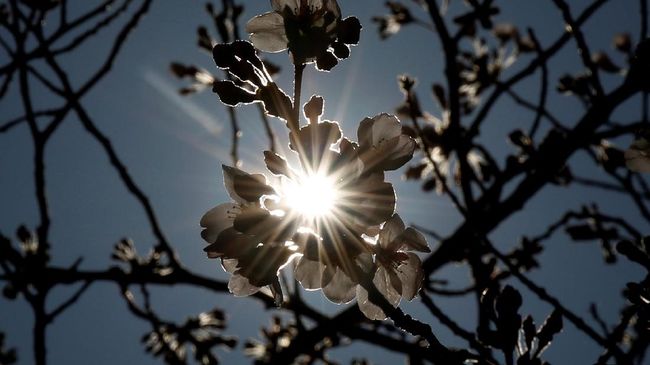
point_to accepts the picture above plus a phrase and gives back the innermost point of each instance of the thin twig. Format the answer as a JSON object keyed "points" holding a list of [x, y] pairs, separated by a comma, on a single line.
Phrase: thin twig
{"points": [[573, 27], [426, 149], [456, 328], [545, 296], [294, 123], [543, 93], [70, 301], [537, 109], [103, 23], [530, 68], [267, 127], [8, 125], [236, 134], [585, 181]]}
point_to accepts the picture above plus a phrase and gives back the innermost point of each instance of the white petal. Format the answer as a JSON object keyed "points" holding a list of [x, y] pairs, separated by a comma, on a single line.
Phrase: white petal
{"points": [[414, 240], [229, 265], [341, 289], [370, 310], [267, 32], [382, 144], [385, 127], [393, 227], [385, 283], [270, 42], [328, 275], [309, 273], [364, 133], [382, 282], [241, 287], [218, 219], [229, 174], [411, 275], [398, 153], [267, 22]]}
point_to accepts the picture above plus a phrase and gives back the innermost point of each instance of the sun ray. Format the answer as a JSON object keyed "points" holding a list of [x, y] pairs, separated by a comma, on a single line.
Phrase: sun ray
{"points": [[313, 195]]}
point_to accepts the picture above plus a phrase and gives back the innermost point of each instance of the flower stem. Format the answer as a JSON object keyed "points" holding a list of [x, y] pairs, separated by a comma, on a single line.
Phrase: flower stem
{"points": [[297, 90]]}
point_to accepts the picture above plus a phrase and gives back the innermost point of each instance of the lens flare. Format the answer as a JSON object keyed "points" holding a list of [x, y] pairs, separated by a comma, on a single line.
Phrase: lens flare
{"points": [[313, 196]]}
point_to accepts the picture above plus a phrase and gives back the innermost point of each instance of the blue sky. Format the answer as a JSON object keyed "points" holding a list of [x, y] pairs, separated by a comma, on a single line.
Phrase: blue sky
{"points": [[174, 147]]}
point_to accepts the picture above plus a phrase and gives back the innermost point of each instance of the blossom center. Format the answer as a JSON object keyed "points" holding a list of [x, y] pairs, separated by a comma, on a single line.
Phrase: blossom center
{"points": [[312, 196]]}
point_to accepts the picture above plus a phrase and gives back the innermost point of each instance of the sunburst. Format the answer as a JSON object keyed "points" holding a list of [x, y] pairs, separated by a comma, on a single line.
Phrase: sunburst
{"points": [[314, 196]]}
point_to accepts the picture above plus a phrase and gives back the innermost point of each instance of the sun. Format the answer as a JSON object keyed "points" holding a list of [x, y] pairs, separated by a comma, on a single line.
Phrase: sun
{"points": [[313, 196]]}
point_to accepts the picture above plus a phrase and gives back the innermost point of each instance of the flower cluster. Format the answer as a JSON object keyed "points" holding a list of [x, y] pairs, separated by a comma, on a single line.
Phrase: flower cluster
{"points": [[333, 216], [265, 228], [312, 31]]}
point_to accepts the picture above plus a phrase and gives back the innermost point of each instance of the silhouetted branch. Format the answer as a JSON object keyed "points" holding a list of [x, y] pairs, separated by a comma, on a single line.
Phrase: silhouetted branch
{"points": [[107, 21], [427, 148], [603, 185], [543, 93], [7, 126], [543, 112], [530, 68], [456, 329], [236, 135], [267, 127], [583, 49], [69, 302], [544, 295]]}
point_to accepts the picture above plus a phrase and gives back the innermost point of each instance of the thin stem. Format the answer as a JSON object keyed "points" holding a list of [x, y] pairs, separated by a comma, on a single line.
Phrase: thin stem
{"points": [[236, 134], [39, 159], [294, 124], [267, 127]]}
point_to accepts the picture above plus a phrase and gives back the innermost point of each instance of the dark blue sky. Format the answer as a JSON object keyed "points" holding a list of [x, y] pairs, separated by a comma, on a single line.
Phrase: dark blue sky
{"points": [[174, 147]]}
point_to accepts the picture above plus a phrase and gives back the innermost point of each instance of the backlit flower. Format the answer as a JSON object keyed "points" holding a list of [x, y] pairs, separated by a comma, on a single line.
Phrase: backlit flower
{"points": [[312, 30], [250, 241], [320, 213], [360, 202], [398, 271], [382, 145]]}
